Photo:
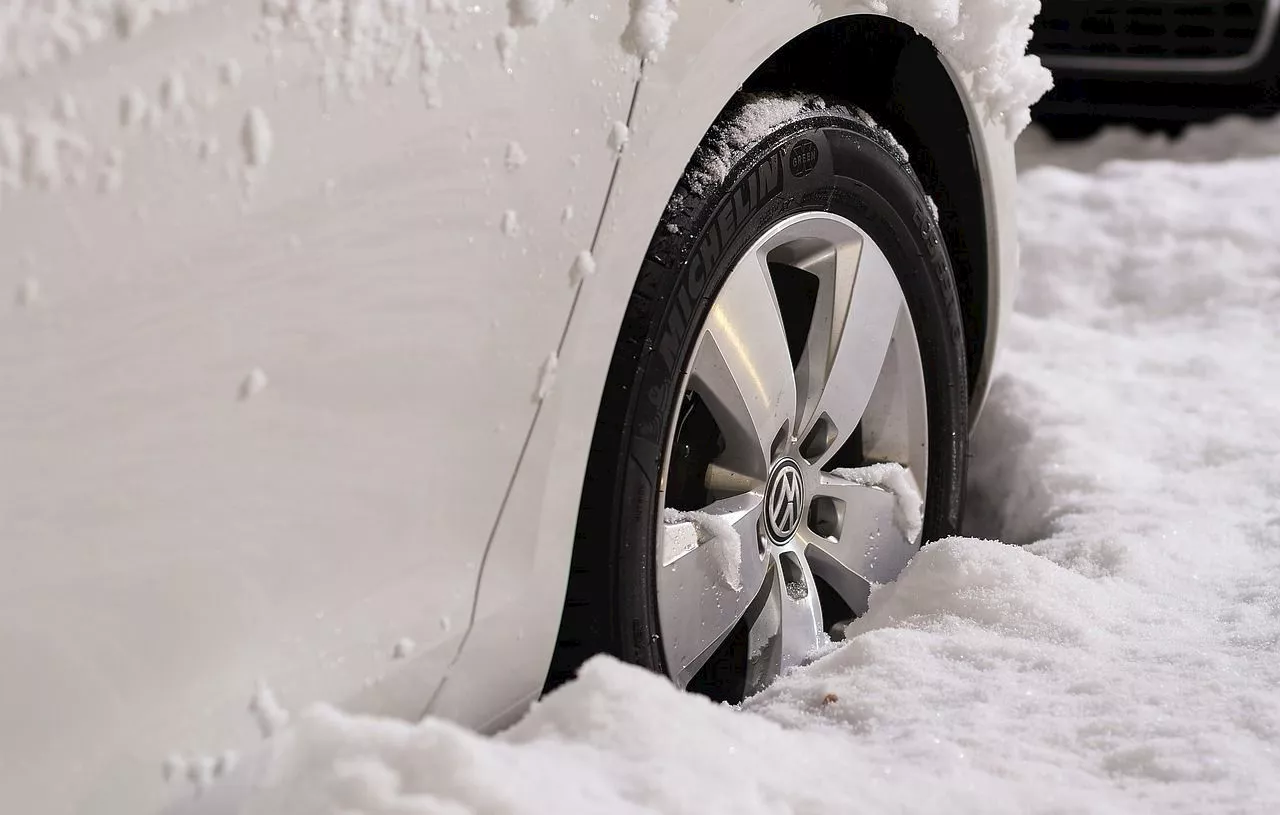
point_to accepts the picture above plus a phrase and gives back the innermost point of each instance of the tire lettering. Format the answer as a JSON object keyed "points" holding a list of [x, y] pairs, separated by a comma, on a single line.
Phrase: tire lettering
{"points": [[726, 222], [735, 211], [710, 249], [742, 204], [770, 173]]}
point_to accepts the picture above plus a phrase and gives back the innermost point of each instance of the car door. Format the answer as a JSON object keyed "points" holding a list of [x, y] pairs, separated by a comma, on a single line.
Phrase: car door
{"points": [[283, 280]]}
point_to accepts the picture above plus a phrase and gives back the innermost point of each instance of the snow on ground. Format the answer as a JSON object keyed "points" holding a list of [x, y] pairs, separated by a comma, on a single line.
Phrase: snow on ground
{"points": [[1124, 660]]}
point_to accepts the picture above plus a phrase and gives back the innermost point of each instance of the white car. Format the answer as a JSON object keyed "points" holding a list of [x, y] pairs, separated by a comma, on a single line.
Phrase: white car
{"points": [[401, 355]]}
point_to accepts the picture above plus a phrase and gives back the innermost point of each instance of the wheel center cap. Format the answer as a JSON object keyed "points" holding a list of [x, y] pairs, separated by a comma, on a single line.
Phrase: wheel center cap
{"points": [[783, 500]]}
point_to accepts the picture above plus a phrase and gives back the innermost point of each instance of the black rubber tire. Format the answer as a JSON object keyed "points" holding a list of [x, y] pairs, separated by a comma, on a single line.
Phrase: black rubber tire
{"points": [[827, 158]]}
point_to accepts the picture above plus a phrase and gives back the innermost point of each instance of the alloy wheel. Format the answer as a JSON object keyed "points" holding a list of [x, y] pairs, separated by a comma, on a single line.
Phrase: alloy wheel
{"points": [[806, 370]]}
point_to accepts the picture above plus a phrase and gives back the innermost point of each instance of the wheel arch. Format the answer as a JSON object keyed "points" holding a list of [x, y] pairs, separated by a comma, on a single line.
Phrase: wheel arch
{"points": [[885, 68]]}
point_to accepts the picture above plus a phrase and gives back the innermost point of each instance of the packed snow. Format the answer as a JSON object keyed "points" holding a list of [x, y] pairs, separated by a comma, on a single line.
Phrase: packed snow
{"points": [[731, 137], [685, 531], [619, 135], [649, 27], [759, 114], [1121, 658], [254, 383], [584, 265], [909, 509], [547, 376]]}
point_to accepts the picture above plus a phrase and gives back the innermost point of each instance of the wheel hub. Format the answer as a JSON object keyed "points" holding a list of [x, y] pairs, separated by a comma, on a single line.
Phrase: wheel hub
{"points": [[784, 500]]}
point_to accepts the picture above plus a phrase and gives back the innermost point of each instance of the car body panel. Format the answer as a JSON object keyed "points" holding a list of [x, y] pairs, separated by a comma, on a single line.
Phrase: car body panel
{"points": [[173, 531]]}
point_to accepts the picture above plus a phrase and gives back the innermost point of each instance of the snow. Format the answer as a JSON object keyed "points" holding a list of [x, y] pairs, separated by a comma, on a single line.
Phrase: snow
{"points": [[254, 383], [230, 73], [256, 138], [174, 766], [28, 292], [649, 27], [760, 114], [200, 772], [36, 34], [267, 711], [53, 155], [730, 138], [429, 61], [1231, 138], [173, 92], [510, 223], [530, 12], [111, 172], [225, 762], [618, 136], [507, 41], [711, 531], [403, 648], [547, 376], [909, 509], [133, 107], [987, 41], [1121, 658], [584, 265], [515, 157], [66, 110]]}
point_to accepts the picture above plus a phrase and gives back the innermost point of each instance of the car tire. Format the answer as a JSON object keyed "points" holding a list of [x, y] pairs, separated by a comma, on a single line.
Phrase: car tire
{"points": [[834, 172]]}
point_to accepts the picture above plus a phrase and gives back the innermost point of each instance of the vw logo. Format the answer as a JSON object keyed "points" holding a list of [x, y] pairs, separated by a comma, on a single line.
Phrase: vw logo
{"points": [[783, 500]]}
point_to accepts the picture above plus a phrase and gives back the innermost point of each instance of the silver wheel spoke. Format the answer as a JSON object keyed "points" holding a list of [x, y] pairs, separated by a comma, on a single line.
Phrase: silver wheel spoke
{"points": [[742, 368], [708, 580], [852, 330], [789, 627], [895, 422], [764, 639]]}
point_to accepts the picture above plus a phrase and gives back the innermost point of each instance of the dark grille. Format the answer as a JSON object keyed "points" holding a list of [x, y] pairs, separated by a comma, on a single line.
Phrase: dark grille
{"points": [[1159, 30]]}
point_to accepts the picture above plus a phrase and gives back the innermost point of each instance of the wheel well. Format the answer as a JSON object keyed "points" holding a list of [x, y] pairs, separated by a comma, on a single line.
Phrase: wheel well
{"points": [[896, 75]]}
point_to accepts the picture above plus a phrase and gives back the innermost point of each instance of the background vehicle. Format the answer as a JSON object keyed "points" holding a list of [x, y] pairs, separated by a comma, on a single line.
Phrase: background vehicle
{"points": [[305, 360], [1156, 63]]}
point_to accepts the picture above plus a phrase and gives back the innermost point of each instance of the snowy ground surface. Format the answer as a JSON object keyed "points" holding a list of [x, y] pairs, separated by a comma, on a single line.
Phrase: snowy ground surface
{"points": [[1123, 660]]}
